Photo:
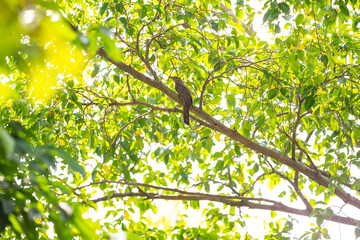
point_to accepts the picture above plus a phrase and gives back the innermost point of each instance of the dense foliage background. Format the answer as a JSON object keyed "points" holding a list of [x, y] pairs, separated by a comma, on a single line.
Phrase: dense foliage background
{"points": [[92, 126]]}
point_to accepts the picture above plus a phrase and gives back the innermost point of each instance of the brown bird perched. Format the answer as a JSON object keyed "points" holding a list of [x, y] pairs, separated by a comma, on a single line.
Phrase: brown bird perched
{"points": [[185, 95]]}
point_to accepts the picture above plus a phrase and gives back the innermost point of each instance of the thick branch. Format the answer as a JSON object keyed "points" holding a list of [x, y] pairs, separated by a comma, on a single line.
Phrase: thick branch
{"points": [[246, 202], [235, 135], [298, 118]]}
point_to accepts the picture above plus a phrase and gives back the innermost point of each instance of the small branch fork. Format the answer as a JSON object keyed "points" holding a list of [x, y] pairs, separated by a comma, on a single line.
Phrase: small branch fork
{"points": [[294, 184], [243, 64], [177, 194]]}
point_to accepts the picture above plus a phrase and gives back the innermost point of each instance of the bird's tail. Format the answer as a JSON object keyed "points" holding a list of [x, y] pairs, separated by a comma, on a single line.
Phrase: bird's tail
{"points": [[186, 114]]}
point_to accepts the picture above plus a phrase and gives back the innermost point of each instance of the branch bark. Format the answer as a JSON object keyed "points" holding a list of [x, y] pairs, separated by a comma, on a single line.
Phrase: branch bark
{"points": [[235, 135], [236, 201]]}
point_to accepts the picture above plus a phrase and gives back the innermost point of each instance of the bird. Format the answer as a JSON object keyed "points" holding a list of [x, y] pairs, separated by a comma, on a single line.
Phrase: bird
{"points": [[185, 95]]}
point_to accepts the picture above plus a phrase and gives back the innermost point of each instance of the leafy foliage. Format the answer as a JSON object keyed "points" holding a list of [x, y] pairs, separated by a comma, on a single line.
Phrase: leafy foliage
{"points": [[278, 116], [32, 198]]}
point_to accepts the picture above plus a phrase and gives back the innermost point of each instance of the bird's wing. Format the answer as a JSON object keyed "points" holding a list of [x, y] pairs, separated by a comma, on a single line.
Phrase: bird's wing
{"points": [[184, 93]]}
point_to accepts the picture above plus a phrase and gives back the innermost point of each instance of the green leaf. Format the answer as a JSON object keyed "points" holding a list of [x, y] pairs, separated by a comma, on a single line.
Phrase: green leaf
{"points": [[214, 25], [344, 10], [260, 121], [325, 233], [162, 181], [309, 102], [357, 232], [282, 194], [271, 15], [188, 14], [288, 147], [132, 236], [15, 224], [272, 94], [299, 19], [207, 187], [231, 101], [95, 70], [120, 7], [195, 204], [116, 79], [319, 219], [143, 12], [284, 7], [93, 175], [166, 158], [232, 210], [267, 15], [7, 144], [324, 59], [355, 24], [277, 28], [238, 152], [307, 89], [63, 187], [209, 144], [329, 213], [256, 168], [103, 8], [123, 21], [68, 160], [219, 165]]}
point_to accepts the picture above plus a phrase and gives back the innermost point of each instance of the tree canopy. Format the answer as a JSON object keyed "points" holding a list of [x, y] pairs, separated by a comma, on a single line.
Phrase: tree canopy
{"points": [[91, 122]]}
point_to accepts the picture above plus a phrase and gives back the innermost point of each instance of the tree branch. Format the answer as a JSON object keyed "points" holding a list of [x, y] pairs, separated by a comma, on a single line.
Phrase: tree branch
{"points": [[235, 135], [236, 201]]}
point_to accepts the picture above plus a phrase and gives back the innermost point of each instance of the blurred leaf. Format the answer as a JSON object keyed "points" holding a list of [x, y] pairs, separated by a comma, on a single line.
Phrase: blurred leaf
{"points": [[7, 144], [231, 101], [319, 219], [73, 164], [272, 94], [309, 102], [299, 19], [284, 7], [357, 232]]}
